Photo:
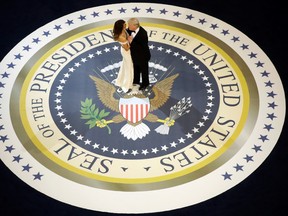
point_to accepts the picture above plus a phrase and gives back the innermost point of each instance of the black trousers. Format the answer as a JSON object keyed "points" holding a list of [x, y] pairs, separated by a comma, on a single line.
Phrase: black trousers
{"points": [[141, 70]]}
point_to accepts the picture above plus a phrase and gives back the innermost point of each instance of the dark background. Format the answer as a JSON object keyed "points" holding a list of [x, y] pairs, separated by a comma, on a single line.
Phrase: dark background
{"points": [[263, 193]]}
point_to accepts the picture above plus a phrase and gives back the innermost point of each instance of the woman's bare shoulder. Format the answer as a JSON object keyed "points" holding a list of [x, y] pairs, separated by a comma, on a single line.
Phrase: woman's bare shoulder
{"points": [[122, 39]]}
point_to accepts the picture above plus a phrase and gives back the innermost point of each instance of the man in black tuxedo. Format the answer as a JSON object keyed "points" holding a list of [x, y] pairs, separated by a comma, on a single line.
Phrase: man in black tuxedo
{"points": [[139, 51]]}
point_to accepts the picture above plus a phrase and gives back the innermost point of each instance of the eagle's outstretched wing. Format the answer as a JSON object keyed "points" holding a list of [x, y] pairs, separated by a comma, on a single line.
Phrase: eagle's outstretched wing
{"points": [[162, 91], [105, 91]]}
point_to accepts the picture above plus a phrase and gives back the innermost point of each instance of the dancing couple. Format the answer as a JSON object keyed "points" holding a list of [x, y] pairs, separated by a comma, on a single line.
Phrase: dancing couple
{"points": [[135, 54]]}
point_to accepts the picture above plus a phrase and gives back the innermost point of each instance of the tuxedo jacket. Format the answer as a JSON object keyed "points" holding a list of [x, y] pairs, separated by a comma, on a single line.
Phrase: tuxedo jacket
{"points": [[139, 47]]}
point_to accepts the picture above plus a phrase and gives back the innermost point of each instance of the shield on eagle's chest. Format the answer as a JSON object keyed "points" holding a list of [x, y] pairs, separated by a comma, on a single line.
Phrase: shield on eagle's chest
{"points": [[134, 109]]}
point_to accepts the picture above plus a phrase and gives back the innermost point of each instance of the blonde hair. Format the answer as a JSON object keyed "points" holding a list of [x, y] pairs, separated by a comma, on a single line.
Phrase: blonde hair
{"points": [[134, 21]]}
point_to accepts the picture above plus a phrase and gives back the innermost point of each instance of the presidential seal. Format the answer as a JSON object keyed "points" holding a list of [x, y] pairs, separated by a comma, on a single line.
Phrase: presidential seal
{"points": [[212, 113]]}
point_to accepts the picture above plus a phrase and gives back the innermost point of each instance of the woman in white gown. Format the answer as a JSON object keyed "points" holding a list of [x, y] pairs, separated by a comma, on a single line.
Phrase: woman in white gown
{"points": [[125, 75]]}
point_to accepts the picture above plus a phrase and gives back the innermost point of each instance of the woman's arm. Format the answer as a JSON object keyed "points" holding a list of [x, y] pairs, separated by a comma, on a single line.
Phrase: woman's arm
{"points": [[124, 43]]}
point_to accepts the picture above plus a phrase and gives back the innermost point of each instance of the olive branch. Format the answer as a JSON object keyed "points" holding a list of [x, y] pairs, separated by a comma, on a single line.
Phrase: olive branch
{"points": [[94, 116]]}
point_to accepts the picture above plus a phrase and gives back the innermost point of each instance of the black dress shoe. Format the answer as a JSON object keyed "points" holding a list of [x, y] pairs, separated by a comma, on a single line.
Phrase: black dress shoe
{"points": [[129, 90], [143, 87]]}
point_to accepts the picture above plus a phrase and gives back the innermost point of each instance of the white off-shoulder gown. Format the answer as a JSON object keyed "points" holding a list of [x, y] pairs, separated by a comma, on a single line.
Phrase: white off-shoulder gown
{"points": [[125, 75]]}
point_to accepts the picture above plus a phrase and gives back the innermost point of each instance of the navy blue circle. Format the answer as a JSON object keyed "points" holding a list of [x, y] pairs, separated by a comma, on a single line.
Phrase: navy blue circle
{"points": [[71, 87]]}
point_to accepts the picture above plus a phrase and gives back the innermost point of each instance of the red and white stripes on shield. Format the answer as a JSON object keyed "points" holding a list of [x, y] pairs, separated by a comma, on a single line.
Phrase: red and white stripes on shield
{"points": [[134, 109]]}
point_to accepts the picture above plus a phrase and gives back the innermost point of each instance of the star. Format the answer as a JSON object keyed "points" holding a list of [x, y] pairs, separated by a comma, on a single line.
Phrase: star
{"points": [[205, 118], [69, 22], [257, 148], [57, 27], [71, 69], [271, 116], [155, 150], [268, 127], [11, 65], [9, 148], [18, 56], [225, 32], [73, 132], [26, 48], [190, 17], [195, 130], [244, 46], [80, 137], [3, 138], [269, 84], [163, 11], [136, 10], [164, 148], [77, 64], [108, 11], [124, 152], [248, 158], [95, 14], [98, 52], [176, 54], [272, 105], [134, 152], [259, 64], [63, 120], [81, 17], [96, 145], [271, 94], [149, 10], [181, 140], [200, 72], [114, 151], [87, 142], [208, 111], [58, 94], [17, 158], [183, 58], [37, 176], [68, 126], [265, 73], [252, 55], [238, 167], [177, 13], [66, 75], [263, 138], [26, 168], [91, 56], [46, 33], [122, 10], [208, 84], [57, 100], [190, 62], [202, 21], [107, 49], [189, 135], [115, 47], [2, 85], [235, 39], [173, 144], [214, 26], [227, 176], [104, 148], [201, 124]]}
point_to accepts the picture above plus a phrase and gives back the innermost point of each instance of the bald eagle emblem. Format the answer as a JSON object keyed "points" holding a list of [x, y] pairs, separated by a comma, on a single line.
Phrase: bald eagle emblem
{"points": [[133, 108]]}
